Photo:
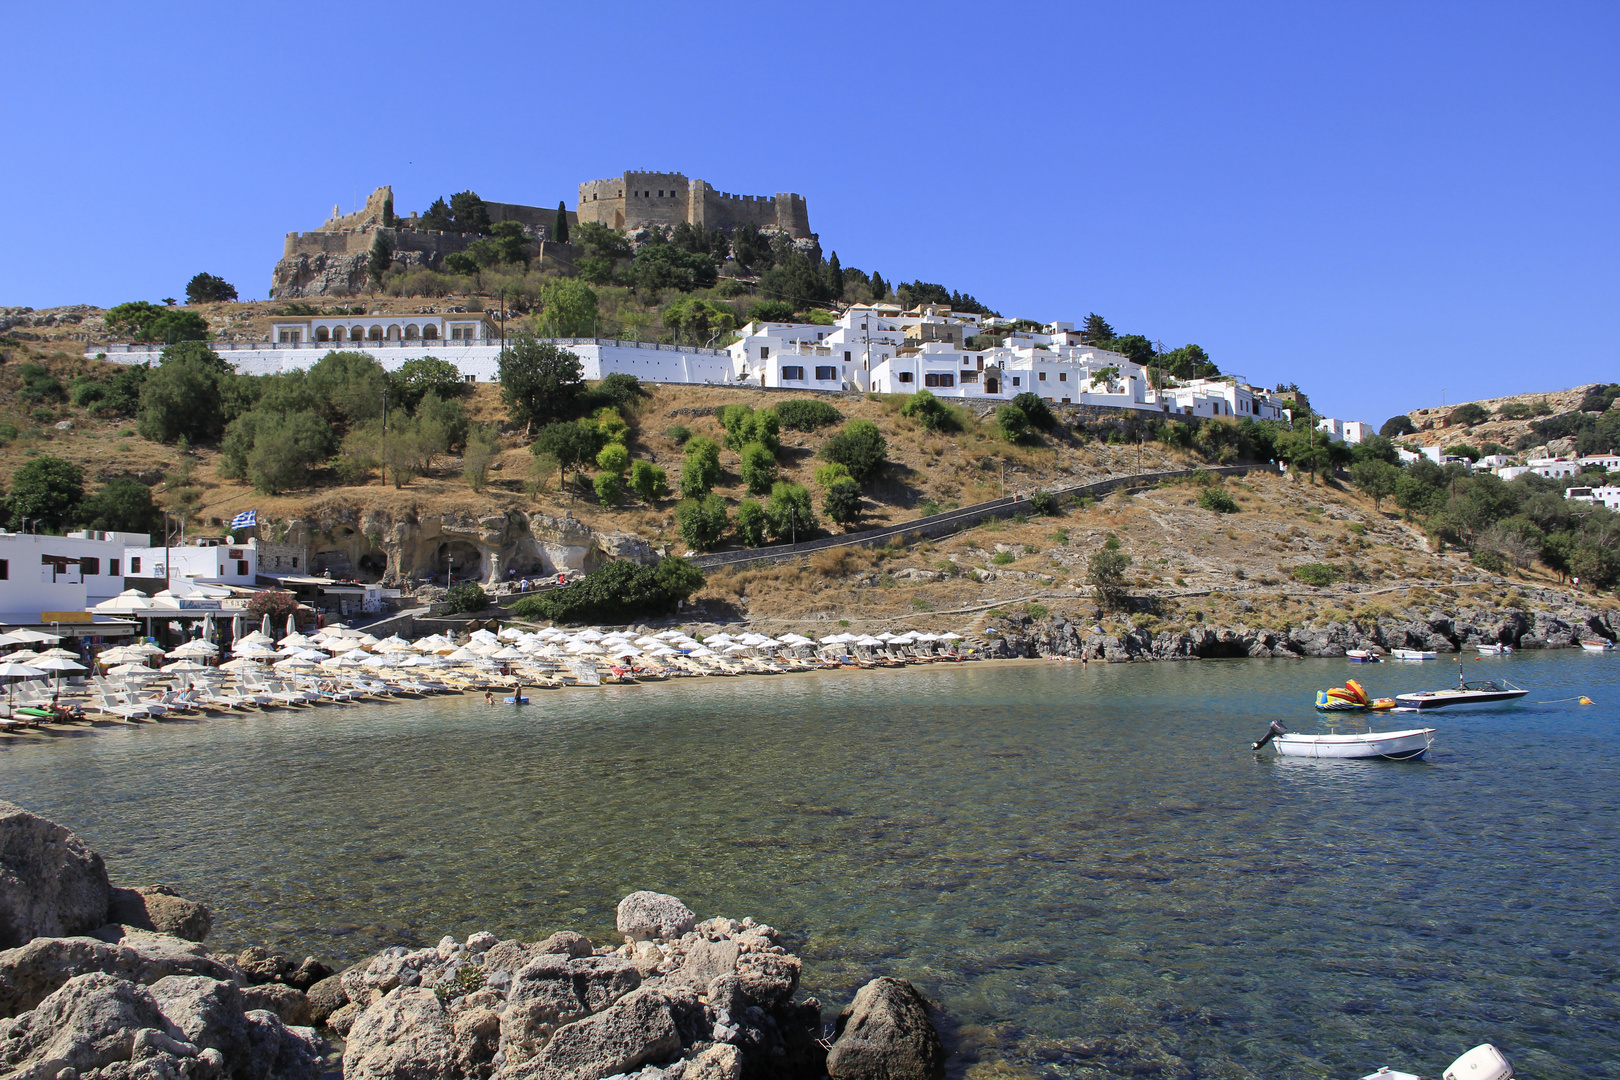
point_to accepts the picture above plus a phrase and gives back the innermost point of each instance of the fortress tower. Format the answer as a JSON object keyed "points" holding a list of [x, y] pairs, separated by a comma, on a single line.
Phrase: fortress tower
{"points": [[636, 200]]}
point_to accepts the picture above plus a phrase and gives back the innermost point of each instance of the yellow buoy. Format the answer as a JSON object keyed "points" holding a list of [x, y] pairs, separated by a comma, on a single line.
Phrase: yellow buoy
{"points": [[1585, 700]]}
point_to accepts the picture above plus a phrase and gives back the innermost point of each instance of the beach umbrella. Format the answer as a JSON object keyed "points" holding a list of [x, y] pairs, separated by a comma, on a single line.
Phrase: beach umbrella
{"points": [[337, 626], [264, 627], [296, 640], [7, 639], [511, 633], [375, 660], [949, 636], [194, 649], [133, 671], [122, 654], [24, 656], [292, 627], [240, 665], [258, 637], [17, 671], [183, 665], [34, 636], [58, 664], [590, 634], [293, 663], [365, 639]]}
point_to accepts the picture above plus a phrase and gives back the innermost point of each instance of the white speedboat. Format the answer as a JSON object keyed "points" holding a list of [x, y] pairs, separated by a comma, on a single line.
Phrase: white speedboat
{"points": [[1361, 656], [1494, 649], [1598, 646], [1483, 692], [1413, 654], [1393, 745]]}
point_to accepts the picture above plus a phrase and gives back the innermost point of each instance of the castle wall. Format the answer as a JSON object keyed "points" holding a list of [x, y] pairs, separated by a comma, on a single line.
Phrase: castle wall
{"points": [[639, 199]]}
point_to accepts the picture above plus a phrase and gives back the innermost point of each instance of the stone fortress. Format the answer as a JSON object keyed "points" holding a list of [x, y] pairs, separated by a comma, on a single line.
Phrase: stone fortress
{"points": [[332, 260]]}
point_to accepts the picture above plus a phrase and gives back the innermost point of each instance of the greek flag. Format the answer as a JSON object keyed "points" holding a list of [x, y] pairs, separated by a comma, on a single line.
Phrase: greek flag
{"points": [[247, 519]]}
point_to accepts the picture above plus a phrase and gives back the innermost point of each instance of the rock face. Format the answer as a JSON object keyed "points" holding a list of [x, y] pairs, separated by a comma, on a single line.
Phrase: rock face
{"points": [[486, 546], [29, 974], [654, 915], [405, 1036], [194, 1028], [51, 884], [160, 909], [885, 1034]]}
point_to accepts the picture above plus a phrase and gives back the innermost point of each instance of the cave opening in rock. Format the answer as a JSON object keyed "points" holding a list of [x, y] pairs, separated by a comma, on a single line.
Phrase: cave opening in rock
{"points": [[459, 559]]}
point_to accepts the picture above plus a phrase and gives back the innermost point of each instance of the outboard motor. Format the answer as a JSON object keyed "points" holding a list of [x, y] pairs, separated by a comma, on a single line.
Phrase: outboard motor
{"points": [[1275, 730], [1483, 1062]]}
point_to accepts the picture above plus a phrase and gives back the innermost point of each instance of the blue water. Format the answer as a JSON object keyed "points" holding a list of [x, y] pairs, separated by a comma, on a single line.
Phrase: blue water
{"points": [[1087, 867]]}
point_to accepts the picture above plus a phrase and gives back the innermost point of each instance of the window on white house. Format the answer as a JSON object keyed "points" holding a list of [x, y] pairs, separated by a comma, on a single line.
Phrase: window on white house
{"points": [[938, 378], [846, 356], [793, 373], [88, 565], [135, 564], [970, 376], [904, 376], [826, 374], [1063, 376], [5, 569], [241, 568], [112, 568], [1017, 381], [764, 352], [1041, 376]]}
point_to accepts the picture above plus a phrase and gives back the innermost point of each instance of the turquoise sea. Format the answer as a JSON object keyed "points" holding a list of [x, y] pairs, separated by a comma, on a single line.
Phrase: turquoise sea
{"points": [[1087, 867]]}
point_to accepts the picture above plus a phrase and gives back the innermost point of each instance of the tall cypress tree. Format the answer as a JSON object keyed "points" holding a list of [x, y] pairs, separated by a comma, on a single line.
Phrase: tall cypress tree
{"points": [[380, 258], [880, 288], [835, 278], [559, 231]]}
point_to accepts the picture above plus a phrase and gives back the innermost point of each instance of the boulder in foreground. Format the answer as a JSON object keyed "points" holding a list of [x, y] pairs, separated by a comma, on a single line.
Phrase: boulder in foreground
{"points": [[885, 1034], [51, 883]]}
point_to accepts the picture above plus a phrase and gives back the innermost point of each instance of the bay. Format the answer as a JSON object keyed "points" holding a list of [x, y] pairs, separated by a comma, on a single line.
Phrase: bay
{"points": [[1086, 866]]}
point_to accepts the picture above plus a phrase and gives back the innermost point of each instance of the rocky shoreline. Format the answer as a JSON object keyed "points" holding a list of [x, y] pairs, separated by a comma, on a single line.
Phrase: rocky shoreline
{"points": [[1557, 624], [102, 983]]}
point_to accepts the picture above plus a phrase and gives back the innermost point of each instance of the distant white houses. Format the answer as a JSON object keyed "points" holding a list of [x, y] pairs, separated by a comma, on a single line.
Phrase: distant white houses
{"points": [[1608, 495], [1345, 431], [1560, 468], [873, 347], [215, 560], [46, 579]]}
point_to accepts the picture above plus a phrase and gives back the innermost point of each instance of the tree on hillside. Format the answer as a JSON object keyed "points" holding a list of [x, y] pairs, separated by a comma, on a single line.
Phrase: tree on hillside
{"points": [[437, 217], [559, 228], [572, 444], [880, 288], [1375, 477], [469, 214], [835, 278], [416, 377], [149, 322], [380, 258], [1397, 426], [568, 308], [1467, 414], [795, 279], [751, 250], [123, 505], [46, 489], [1188, 362], [184, 396], [842, 502], [1095, 330], [665, 266], [1106, 573], [207, 288], [860, 448], [539, 382]]}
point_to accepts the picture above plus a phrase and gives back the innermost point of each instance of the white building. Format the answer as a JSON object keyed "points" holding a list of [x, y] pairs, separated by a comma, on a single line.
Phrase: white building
{"points": [[1602, 496], [789, 356], [478, 359], [55, 578], [1229, 397], [1560, 468], [209, 560]]}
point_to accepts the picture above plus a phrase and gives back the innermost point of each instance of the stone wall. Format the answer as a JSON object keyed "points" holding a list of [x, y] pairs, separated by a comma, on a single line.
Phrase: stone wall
{"points": [[636, 200]]}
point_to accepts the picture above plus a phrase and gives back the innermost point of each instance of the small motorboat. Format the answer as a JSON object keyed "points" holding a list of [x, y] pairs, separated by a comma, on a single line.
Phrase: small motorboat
{"points": [[1494, 649], [1414, 654], [1483, 1062], [1392, 745], [1483, 692], [1598, 646], [1361, 656]]}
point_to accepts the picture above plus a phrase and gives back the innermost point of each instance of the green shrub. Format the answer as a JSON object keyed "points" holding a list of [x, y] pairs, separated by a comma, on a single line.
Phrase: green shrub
{"points": [[621, 591], [842, 502], [758, 468], [1043, 502], [930, 413], [1012, 422], [751, 522], [700, 470], [860, 448], [1035, 409], [8, 433], [609, 488], [788, 513], [40, 386], [701, 520], [679, 433], [648, 481], [829, 474], [1316, 573], [1490, 560], [1002, 558], [1215, 499], [1467, 414], [807, 414], [465, 599]]}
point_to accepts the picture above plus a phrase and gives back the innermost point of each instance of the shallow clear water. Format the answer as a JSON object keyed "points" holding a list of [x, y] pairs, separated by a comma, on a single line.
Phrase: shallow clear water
{"points": [[1087, 866]]}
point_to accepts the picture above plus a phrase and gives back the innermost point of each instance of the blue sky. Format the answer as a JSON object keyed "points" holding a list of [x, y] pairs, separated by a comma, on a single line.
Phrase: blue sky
{"points": [[1377, 201]]}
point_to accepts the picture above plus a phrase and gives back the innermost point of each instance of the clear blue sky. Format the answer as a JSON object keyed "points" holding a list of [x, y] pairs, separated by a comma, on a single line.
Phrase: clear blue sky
{"points": [[1377, 201]]}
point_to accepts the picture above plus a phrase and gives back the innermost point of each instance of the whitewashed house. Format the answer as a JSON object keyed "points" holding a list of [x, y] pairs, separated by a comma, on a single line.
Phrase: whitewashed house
{"points": [[55, 578], [1609, 495], [211, 560]]}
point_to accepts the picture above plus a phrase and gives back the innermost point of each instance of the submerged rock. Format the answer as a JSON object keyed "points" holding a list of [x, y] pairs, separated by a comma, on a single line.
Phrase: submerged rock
{"points": [[158, 908]]}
